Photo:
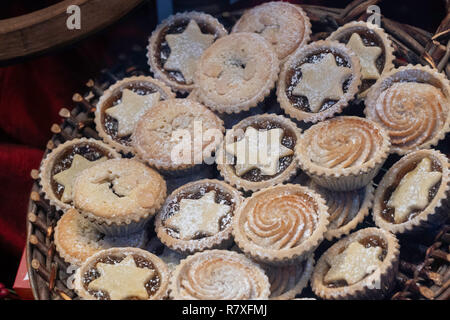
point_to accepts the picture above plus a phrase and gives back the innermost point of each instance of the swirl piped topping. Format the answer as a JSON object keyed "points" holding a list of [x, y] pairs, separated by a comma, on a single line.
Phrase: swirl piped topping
{"points": [[219, 275]]}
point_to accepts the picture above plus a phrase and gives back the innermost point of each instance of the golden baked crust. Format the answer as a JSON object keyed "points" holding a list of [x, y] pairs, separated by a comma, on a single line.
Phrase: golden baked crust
{"points": [[112, 93], [376, 283], [157, 265], [436, 209], [412, 104], [154, 46], [221, 239], [153, 138], [218, 275], [236, 73], [281, 225], [344, 153], [322, 79], [46, 171], [284, 25]]}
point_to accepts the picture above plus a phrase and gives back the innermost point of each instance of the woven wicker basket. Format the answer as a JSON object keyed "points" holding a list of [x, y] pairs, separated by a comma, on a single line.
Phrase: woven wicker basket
{"points": [[425, 260]]}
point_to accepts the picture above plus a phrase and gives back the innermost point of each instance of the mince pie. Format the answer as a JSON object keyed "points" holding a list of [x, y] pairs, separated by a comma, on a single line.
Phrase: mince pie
{"points": [[197, 216], [344, 153], [372, 46], [284, 25], [61, 166], [259, 151], [177, 134], [76, 239], [281, 225], [413, 104], [318, 81], [123, 104], [177, 44], [346, 208], [122, 274], [236, 73], [218, 275], [119, 196], [414, 193], [362, 265]]}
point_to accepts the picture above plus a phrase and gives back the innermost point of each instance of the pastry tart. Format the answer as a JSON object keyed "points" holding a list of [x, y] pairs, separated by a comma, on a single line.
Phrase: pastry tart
{"points": [[76, 239], [197, 216], [177, 44], [344, 153], [288, 281], [259, 151], [122, 274], [372, 46], [318, 81], [413, 104], [346, 208], [362, 265], [61, 166], [284, 25], [218, 275], [281, 225], [236, 73], [177, 134], [119, 196], [414, 193]]}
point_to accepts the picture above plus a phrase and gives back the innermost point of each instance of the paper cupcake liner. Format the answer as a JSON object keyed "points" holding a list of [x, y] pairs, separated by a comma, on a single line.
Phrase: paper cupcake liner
{"points": [[374, 286]]}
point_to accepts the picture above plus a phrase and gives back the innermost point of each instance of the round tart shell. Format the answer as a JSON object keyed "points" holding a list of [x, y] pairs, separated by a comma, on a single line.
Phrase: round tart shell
{"points": [[152, 48], [159, 265], [373, 286], [218, 241], [343, 179], [45, 173], [434, 213], [262, 53], [119, 86], [415, 74], [303, 53], [283, 256], [258, 275], [227, 171]]}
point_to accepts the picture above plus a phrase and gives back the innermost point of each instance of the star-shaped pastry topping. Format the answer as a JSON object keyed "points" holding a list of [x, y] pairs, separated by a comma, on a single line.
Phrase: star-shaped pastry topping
{"points": [[131, 109], [353, 264], [67, 177], [321, 81], [259, 149], [367, 56], [198, 216], [186, 48], [122, 280], [412, 191]]}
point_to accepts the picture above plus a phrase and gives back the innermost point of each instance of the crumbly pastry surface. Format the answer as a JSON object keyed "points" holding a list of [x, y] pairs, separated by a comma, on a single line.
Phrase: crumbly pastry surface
{"points": [[177, 44], [122, 273], [318, 81], [61, 167], [412, 104], [76, 239], [343, 153], [162, 131], [413, 193], [360, 266], [281, 224], [283, 25], [123, 104], [260, 151], [197, 216], [219, 275], [236, 72]]}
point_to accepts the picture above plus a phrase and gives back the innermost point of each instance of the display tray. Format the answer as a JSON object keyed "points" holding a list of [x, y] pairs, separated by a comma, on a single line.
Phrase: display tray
{"points": [[424, 269]]}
